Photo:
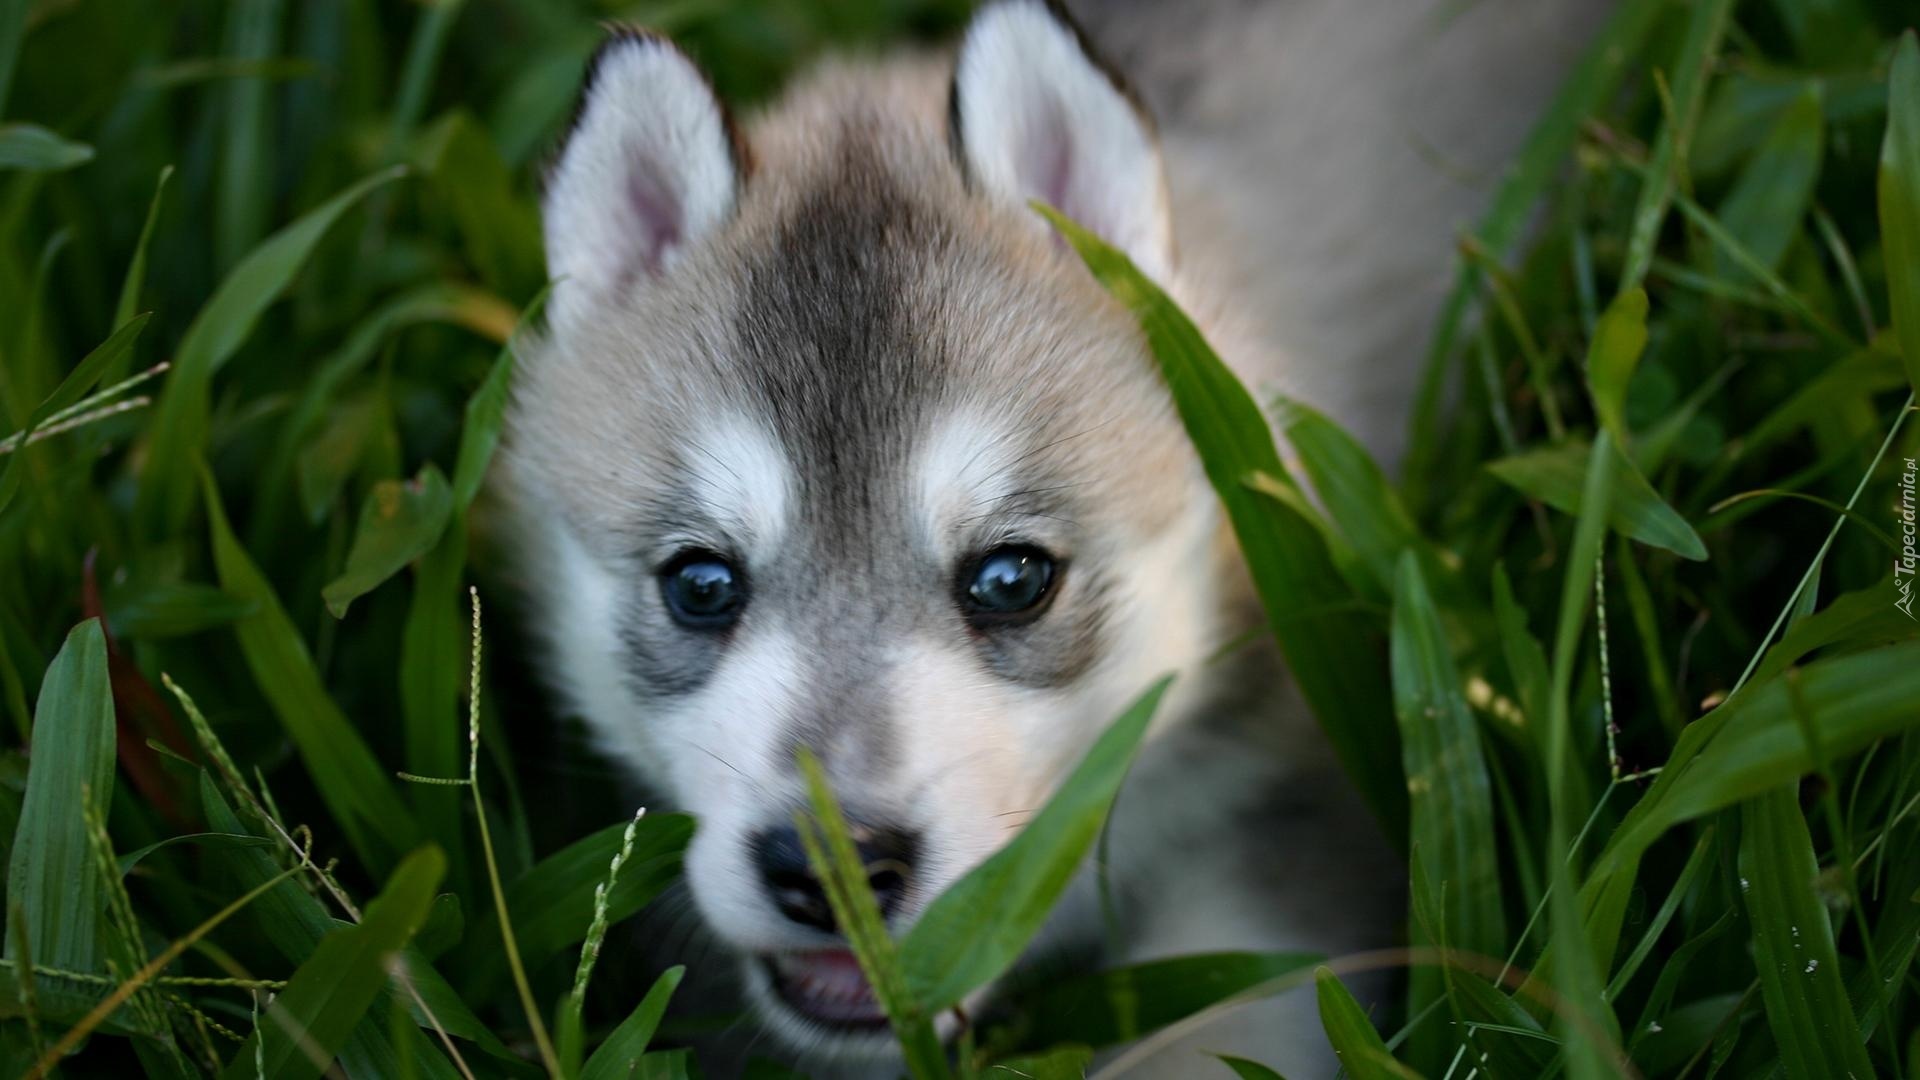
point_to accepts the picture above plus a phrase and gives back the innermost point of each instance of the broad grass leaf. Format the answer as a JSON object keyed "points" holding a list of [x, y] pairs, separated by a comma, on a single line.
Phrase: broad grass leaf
{"points": [[399, 522], [977, 928], [1793, 947], [1554, 476], [308, 1022], [53, 877], [620, 1053], [355, 788], [1618, 340], [1355, 492], [1450, 795], [1122, 1004], [1329, 645], [1899, 187], [1770, 199], [214, 336], [32, 148], [104, 358], [1853, 621], [552, 902], [1354, 1039]]}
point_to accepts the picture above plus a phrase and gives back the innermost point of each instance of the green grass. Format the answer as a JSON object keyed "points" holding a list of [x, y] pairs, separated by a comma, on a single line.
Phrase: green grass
{"points": [[1617, 656]]}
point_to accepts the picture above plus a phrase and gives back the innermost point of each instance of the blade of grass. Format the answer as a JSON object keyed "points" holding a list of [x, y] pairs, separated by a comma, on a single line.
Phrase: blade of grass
{"points": [[528, 1005], [620, 1053], [141, 978], [1552, 139], [1451, 818], [1705, 26], [1773, 194], [106, 356], [1586, 1025], [1327, 650], [831, 853], [13, 29], [244, 182], [1361, 1052], [1355, 492], [351, 783], [554, 898], [32, 148], [1555, 476], [399, 522], [980, 925], [431, 637], [307, 1023], [136, 279], [51, 877], [1800, 982], [212, 339]]}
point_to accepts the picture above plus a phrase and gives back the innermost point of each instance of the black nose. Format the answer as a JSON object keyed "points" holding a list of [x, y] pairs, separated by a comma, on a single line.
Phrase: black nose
{"points": [[887, 855]]}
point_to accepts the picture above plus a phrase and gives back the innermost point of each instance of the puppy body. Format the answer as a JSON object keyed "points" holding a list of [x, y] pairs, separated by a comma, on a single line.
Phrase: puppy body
{"points": [[837, 357]]}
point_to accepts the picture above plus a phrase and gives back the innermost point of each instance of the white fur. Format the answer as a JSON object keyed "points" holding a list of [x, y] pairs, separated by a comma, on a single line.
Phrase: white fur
{"points": [[964, 467], [1039, 121], [743, 480], [647, 171]]}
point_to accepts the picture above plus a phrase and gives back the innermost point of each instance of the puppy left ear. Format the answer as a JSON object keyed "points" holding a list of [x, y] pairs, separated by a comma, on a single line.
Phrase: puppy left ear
{"points": [[651, 167], [1036, 116]]}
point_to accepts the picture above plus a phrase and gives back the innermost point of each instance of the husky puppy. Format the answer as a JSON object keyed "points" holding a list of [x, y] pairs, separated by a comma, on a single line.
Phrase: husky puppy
{"points": [[830, 443]]}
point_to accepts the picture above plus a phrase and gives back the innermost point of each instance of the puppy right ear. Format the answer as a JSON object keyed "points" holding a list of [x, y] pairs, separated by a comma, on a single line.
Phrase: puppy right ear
{"points": [[650, 167]]}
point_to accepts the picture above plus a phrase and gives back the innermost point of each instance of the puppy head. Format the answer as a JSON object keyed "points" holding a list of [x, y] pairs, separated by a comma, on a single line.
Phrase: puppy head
{"points": [[830, 443]]}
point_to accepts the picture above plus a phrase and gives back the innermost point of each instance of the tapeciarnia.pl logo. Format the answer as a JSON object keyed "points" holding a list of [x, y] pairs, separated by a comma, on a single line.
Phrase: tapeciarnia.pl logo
{"points": [[1908, 560]]}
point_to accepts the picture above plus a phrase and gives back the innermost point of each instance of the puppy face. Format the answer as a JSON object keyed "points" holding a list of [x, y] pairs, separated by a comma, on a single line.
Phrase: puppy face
{"points": [[829, 443]]}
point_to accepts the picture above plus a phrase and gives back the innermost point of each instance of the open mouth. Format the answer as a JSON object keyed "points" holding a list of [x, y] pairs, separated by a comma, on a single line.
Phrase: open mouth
{"points": [[826, 987]]}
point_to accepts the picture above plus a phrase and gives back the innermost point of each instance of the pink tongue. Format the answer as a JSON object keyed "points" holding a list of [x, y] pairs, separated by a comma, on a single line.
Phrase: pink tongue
{"points": [[828, 985], [836, 963]]}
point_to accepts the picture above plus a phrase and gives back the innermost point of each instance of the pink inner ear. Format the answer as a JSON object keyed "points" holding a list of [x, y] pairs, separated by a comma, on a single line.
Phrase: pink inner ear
{"points": [[657, 217], [1046, 161]]}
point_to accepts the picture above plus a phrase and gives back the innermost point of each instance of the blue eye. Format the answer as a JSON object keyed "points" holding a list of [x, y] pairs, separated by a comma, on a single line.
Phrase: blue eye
{"points": [[1011, 580], [703, 590]]}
